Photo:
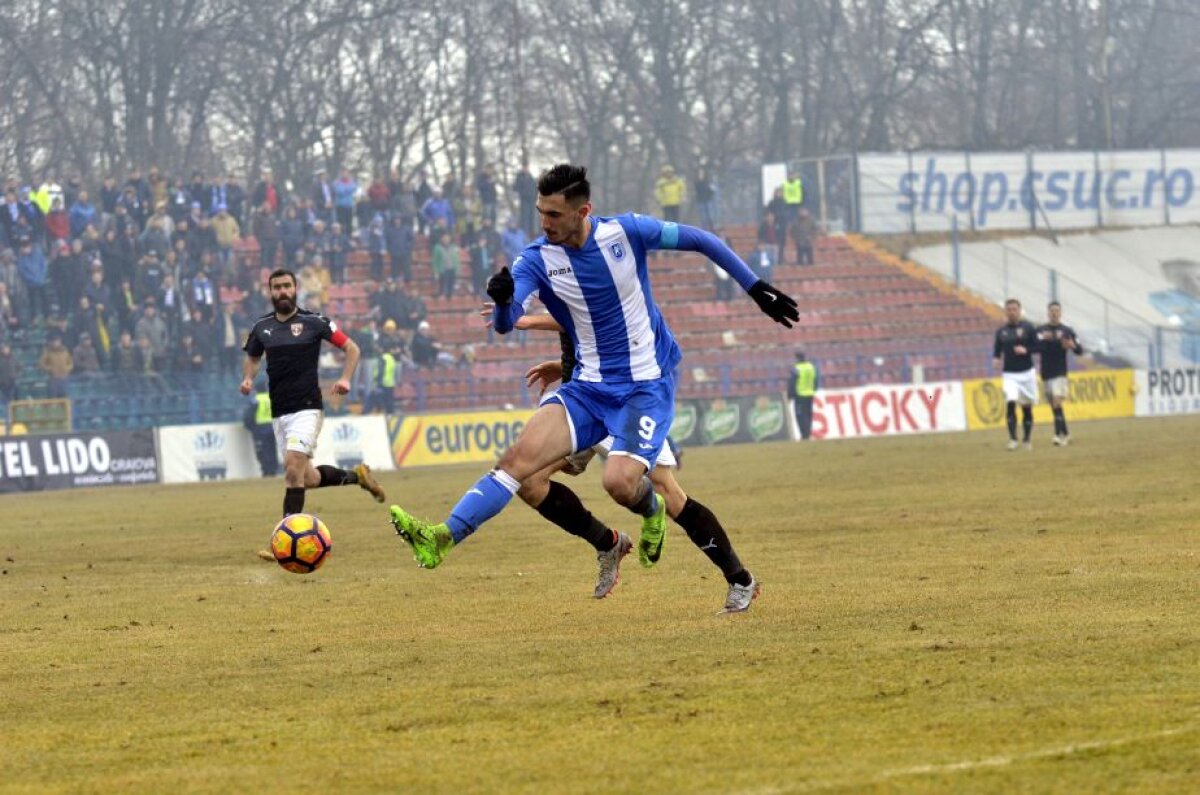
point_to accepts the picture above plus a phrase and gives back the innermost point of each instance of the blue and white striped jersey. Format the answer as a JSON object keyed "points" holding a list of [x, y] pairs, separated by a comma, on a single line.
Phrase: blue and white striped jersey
{"points": [[600, 294]]}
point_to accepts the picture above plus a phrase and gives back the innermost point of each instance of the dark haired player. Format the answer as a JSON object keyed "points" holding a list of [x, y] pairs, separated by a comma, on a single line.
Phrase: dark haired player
{"points": [[1015, 344], [290, 337], [591, 274], [1054, 340]]}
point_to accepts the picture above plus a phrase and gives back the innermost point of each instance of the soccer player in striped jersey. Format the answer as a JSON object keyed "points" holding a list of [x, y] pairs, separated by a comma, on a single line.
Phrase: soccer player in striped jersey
{"points": [[591, 275]]}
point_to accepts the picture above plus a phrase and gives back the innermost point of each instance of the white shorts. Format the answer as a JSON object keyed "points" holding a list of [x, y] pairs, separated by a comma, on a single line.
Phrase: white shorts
{"points": [[298, 431], [577, 462], [1057, 388], [1021, 387]]}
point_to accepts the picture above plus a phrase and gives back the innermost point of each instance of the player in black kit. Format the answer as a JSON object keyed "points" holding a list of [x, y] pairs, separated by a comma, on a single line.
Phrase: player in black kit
{"points": [[1016, 342], [291, 339], [1054, 340]]}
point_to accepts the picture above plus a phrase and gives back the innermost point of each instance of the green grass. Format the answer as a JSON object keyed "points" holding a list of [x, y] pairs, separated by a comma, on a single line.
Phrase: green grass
{"points": [[937, 615]]}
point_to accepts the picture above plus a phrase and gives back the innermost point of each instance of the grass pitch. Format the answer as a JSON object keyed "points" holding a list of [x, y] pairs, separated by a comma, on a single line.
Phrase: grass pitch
{"points": [[937, 615]]}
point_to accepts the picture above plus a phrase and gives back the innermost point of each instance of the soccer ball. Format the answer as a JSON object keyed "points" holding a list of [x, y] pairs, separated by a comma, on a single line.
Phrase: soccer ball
{"points": [[301, 542]]}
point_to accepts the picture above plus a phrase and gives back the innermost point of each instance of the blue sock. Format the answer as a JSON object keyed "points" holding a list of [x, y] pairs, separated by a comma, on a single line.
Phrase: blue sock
{"points": [[483, 501]]}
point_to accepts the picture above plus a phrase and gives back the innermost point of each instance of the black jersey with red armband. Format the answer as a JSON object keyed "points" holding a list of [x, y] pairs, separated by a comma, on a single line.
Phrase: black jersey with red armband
{"points": [[292, 348]]}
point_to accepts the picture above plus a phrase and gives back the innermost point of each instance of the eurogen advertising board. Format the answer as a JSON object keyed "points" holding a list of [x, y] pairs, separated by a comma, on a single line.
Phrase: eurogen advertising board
{"points": [[1095, 394], [458, 438]]}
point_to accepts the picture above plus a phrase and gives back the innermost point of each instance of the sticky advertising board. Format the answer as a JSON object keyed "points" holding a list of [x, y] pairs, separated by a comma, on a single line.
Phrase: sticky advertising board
{"points": [[888, 410]]}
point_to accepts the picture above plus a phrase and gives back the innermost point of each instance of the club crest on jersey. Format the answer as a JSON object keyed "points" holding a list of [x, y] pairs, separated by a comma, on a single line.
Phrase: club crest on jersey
{"points": [[297, 329], [618, 251]]}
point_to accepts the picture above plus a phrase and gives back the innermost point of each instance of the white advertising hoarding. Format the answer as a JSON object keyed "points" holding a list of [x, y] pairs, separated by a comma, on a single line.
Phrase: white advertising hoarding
{"points": [[1171, 390], [921, 191], [888, 410], [191, 453]]}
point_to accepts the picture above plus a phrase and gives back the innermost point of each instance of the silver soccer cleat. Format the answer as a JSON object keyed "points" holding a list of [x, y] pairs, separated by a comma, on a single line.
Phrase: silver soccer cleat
{"points": [[740, 596], [610, 566]]}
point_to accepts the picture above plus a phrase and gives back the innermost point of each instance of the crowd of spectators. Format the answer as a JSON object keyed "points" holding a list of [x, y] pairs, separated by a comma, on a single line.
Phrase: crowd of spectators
{"points": [[145, 275]]}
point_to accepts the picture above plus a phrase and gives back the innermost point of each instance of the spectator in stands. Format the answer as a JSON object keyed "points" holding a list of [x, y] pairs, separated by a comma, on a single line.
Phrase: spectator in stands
{"points": [[9, 213], [422, 192], [335, 248], [201, 237], [82, 214], [762, 261], [485, 190], [204, 336], [133, 207], [125, 356], [322, 197], [314, 284], [148, 364], [203, 295], [803, 232], [804, 384], [171, 301], [156, 236], [139, 185], [266, 193], [374, 241], [413, 310], [188, 358], [390, 337], [35, 274], [57, 363], [450, 188], [229, 194], [265, 227], [149, 275], [109, 194], [670, 192], [705, 190], [152, 328], [437, 211], [344, 190], [96, 290], [775, 222], [126, 305], [479, 261], [399, 239], [86, 362], [200, 193], [228, 233], [33, 214], [160, 188], [58, 224], [386, 302], [229, 333], [425, 350], [291, 234], [10, 373], [9, 320], [446, 262], [525, 187], [513, 240], [379, 196]]}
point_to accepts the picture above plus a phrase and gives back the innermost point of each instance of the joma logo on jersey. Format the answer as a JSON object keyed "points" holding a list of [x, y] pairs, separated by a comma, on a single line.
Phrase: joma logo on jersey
{"points": [[563, 271]]}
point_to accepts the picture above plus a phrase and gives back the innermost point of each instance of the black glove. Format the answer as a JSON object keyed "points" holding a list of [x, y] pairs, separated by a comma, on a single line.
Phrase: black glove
{"points": [[781, 307], [500, 287]]}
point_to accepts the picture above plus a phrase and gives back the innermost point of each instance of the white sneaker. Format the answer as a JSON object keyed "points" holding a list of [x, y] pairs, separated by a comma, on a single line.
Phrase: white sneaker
{"points": [[1028, 446], [1058, 442], [1066, 440], [740, 596], [1012, 444]]}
